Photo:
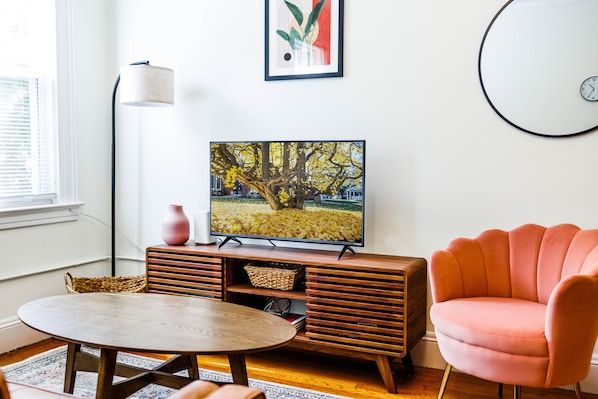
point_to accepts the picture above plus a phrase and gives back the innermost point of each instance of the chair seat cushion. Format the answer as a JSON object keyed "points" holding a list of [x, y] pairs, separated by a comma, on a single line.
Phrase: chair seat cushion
{"points": [[505, 325]]}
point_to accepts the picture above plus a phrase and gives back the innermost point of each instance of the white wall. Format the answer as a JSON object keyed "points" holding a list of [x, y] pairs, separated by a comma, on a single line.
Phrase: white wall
{"points": [[440, 162]]}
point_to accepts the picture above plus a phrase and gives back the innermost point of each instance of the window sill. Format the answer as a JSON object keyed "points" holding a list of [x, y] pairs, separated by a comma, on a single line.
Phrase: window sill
{"points": [[14, 218]]}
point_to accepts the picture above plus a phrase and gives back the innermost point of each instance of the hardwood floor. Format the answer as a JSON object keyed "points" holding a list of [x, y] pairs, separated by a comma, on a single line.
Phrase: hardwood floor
{"points": [[343, 377]]}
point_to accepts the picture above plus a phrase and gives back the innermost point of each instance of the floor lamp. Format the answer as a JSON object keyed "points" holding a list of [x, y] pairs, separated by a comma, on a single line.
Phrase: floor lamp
{"points": [[142, 85]]}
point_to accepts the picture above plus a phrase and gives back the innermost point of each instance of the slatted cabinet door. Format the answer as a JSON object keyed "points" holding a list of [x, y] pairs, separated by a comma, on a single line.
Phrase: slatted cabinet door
{"points": [[182, 273], [357, 309]]}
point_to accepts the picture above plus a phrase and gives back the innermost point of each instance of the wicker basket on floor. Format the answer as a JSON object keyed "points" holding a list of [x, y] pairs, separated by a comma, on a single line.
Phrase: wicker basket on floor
{"points": [[274, 276], [80, 285]]}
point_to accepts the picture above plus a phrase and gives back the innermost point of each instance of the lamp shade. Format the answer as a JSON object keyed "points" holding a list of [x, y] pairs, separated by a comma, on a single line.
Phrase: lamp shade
{"points": [[146, 86]]}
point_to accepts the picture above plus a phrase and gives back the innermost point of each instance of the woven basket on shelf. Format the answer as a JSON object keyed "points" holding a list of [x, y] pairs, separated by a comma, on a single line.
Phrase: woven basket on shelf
{"points": [[274, 276], [79, 285]]}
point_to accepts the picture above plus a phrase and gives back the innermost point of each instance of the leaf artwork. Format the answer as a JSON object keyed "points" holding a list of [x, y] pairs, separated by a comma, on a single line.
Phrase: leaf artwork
{"points": [[313, 17], [295, 11], [301, 37]]}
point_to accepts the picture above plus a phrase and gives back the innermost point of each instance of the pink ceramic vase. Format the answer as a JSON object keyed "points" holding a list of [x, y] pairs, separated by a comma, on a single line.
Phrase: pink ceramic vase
{"points": [[175, 226]]}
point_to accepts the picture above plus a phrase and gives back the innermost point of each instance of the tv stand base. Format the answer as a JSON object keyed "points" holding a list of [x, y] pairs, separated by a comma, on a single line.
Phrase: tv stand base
{"points": [[227, 239], [345, 248]]}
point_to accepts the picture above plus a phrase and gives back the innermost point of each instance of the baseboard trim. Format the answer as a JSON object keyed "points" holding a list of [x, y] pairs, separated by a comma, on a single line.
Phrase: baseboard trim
{"points": [[427, 354], [16, 335]]}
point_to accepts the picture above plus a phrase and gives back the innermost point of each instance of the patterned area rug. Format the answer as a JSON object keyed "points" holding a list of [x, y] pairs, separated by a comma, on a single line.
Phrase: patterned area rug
{"points": [[46, 370]]}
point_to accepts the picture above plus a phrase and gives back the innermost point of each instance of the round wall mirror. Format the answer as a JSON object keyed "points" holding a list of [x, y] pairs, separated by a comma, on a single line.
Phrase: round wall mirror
{"points": [[537, 62]]}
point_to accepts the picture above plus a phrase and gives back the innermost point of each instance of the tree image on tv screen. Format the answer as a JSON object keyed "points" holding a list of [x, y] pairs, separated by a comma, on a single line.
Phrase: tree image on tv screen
{"points": [[289, 190]]}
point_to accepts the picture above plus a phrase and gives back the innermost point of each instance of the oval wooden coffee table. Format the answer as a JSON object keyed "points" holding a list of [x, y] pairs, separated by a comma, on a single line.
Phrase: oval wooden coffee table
{"points": [[152, 323]]}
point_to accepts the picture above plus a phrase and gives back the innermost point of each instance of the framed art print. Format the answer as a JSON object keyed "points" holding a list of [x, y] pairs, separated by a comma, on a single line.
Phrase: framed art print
{"points": [[304, 39]]}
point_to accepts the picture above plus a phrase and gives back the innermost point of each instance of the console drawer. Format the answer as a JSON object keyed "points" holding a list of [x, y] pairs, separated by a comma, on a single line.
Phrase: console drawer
{"points": [[357, 309], [184, 274]]}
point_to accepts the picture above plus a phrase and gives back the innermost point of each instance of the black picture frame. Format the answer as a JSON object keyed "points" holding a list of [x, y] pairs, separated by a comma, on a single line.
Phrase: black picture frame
{"points": [[301, 43]]}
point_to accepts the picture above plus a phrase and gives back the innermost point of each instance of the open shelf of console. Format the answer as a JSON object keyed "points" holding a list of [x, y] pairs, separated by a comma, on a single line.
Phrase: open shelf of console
{"points": [[362, 305]]}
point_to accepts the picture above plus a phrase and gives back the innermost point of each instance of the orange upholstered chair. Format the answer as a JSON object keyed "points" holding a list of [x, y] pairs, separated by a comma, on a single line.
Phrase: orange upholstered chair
{"points": [[518, 307]]}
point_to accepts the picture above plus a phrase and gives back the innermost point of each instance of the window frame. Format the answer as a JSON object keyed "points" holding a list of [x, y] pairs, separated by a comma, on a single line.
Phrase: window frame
{"points": [[65, 209]]}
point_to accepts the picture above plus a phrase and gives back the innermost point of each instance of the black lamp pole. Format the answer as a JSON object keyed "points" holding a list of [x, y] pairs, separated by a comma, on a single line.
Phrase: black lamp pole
{"points": [[114, 167]]}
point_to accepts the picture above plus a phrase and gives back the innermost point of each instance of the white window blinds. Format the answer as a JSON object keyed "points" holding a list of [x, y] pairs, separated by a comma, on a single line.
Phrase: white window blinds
{"points": [[28, 104]]}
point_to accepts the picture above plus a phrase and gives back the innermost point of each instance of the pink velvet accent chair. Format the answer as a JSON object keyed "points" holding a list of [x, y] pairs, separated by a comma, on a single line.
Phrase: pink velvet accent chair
{"points": [[518, 307]]}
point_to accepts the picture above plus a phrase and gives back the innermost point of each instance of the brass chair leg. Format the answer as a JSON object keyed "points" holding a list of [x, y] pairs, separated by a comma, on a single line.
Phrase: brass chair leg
{"points": [[517, 392], [445, 377], [577, 390]]}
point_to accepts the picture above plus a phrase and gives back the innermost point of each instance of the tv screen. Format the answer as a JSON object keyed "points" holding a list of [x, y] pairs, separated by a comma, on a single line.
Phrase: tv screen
{"points": [[308, 191]]}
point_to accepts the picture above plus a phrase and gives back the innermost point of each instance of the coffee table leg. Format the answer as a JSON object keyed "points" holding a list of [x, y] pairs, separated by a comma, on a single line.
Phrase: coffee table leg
{"points": [[71, 373], [238, 369], [106, 373], [193, 368]]}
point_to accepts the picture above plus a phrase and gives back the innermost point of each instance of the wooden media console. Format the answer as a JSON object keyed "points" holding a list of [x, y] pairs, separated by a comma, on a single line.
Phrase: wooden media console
{"points": [[364, 305]]}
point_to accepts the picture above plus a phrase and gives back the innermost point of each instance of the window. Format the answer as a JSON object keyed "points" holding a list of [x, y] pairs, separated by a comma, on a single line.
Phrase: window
{"points": [[37, 161]]}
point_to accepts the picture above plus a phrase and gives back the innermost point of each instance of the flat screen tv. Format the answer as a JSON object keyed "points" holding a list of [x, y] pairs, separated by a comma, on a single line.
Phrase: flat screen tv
{"points": [[303, 191]]}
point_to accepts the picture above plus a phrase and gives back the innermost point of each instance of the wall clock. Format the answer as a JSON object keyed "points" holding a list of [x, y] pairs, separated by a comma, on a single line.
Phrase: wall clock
{"points": [[589, 89]]}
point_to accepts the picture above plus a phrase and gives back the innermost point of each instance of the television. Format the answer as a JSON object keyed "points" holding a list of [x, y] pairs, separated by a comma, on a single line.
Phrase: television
{"points": [[302, 191]]}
